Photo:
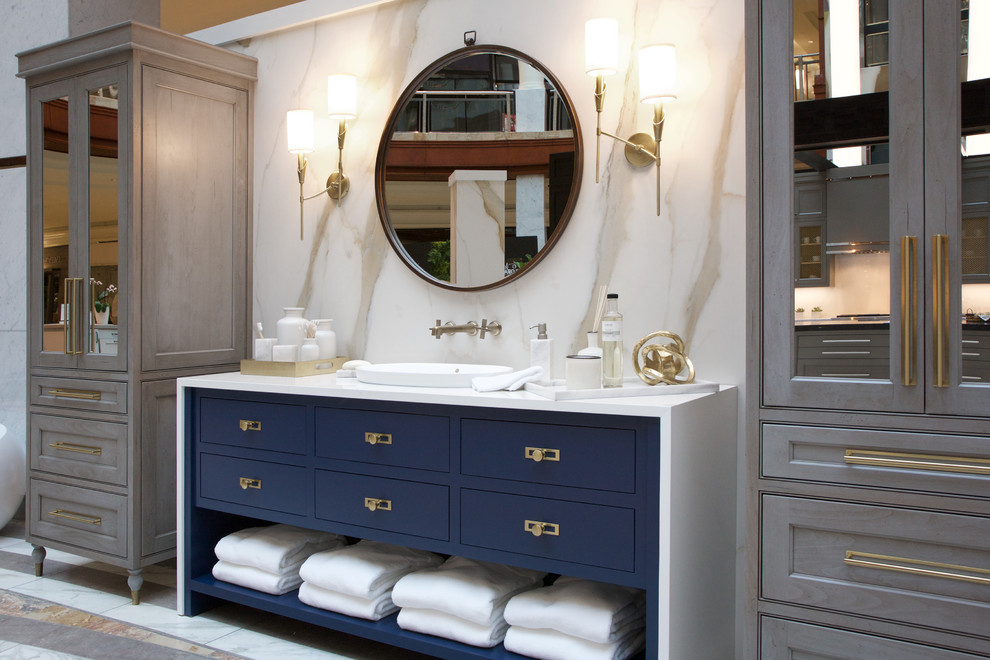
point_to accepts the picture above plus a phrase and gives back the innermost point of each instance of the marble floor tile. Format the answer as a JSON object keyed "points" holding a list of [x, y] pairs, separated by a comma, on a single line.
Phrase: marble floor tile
{"points": [[72, 595], [10, 579], [27, 652], [198, 629], [258, 646]]}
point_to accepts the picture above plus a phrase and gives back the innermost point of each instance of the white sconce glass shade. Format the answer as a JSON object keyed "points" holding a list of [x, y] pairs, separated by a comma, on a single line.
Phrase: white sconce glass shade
{"points": [[342, 96], [299, 131], [601, 46], [657, 74]]}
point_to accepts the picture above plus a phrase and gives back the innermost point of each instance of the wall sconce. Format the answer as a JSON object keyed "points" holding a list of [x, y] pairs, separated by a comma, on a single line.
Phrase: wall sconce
{"points": [[341, 105], [657, 80]]}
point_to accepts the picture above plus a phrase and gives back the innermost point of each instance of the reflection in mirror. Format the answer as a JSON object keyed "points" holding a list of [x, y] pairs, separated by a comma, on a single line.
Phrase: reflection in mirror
{"points": [[55, 221], [478, 168], [103, 177]]}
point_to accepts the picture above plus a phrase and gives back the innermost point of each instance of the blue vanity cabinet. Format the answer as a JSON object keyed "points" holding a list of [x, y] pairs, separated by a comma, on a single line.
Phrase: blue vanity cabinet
{"points": [[563, 491]]}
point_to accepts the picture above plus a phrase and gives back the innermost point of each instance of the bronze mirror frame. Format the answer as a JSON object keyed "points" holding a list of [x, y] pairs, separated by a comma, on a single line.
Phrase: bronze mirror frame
{"points": [[397, 109]]}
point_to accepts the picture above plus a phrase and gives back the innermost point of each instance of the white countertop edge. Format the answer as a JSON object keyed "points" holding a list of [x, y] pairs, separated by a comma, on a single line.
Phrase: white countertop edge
{"points": [[351, 388]]}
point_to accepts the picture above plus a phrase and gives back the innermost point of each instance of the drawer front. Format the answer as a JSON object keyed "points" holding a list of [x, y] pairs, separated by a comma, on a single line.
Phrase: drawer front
{"points": [[915, 567], [254, 483], [840, 340], [277, 427], [393, 505], [842, 352], [781, 639], [405, 440], [579, 456], [80, 448], [934, 463], [81, 517], [571, 531], [877, 369], [79, 394], [977, 341]]}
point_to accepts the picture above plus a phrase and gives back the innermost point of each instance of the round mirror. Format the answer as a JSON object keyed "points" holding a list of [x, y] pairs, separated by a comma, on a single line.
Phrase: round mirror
{"points": [[478, 169]]}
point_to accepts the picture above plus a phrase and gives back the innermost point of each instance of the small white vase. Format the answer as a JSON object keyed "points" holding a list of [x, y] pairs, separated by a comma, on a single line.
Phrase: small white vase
{"points": [[309, 350], [291, 328], [102, 318], [326, 338]]}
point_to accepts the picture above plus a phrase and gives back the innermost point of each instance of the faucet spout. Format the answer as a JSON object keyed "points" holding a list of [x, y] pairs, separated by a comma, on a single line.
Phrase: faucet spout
{"points": [[450, 328]]}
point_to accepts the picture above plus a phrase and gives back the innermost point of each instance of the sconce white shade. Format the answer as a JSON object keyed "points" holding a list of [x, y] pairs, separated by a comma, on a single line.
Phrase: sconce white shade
{"points": [[601, 46], [657, 74], [299, 131], [342, 96]]}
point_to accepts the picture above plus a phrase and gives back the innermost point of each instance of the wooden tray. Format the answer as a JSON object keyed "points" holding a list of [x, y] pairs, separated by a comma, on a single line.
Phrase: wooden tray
{"points": [[291, 369]]}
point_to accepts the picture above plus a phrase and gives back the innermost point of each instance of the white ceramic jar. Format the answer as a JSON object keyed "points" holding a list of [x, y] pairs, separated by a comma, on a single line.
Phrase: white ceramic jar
{"points": [[291, 328], [309, 350], [326, 338]]}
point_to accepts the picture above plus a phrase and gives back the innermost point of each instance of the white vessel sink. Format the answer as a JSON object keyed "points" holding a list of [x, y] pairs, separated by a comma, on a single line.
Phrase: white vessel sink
{"points": [[427, 374]]}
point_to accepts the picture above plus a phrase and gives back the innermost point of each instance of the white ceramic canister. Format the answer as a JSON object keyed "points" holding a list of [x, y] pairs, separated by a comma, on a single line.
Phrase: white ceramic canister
{"points": [[309, 350], [326, 338], [291, 328]]}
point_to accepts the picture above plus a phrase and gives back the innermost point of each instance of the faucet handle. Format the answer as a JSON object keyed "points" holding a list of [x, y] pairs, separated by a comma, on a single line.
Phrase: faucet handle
{"points": [[435, 330], [494, 327]]}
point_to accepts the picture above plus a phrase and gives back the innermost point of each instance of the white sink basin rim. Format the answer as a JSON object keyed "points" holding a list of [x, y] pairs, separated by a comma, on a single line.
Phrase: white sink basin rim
{"points": [[427, 374]]}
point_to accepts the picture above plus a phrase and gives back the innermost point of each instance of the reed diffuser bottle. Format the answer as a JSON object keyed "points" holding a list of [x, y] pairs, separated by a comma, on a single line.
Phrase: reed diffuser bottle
{"points": [[612, 343]]}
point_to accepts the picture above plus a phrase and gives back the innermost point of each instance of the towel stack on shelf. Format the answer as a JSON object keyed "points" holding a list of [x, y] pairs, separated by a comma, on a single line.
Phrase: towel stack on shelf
{"points": [[577, 618], [268, 558], [462, 600], [357, 580]]}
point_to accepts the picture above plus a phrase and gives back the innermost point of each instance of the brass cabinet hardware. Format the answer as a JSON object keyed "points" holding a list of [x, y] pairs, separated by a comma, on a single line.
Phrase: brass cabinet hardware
{"points": [[378, 438], [537, 528], [542, 454], [376, 504], [909, 308], [81, 449], [917, 567], [78, 517], [911, 461], [940, 308], [250, 425], [250, 483], [71, 324], [66, 393]]}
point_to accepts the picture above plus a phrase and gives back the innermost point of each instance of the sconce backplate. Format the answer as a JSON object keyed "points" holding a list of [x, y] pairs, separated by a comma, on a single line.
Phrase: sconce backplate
{"points": [[337, 185], [635, 156]]}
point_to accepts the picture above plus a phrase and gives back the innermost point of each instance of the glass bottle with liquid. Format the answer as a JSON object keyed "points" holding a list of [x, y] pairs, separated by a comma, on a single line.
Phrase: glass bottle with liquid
{"points": [[612, 343]]}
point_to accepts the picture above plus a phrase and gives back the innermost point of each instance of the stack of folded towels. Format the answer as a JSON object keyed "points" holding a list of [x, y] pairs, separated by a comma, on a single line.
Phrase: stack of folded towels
{"points": [[357, 580], [462, 599], [575, 618], [268, 558]]}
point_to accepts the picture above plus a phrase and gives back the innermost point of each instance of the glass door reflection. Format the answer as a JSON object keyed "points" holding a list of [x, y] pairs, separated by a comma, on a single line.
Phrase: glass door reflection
{"points": [[103, 240]]}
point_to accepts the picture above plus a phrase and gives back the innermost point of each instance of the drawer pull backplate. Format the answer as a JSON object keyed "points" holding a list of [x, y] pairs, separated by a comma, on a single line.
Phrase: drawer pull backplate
{"points": [[250, 483], [917, 567], [378, 438], [78, 517], [80, 449], [539, 454], [537, 528], [64, 393], [918, 461], [376, 504], [250, 425]]}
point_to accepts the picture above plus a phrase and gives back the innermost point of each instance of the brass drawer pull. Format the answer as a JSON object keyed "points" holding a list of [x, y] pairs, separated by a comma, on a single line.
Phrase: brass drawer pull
{"points": [[65, 393], [248, 425], [81, 449], [537, 528], [542, 454], [250, 483], [918, 461], [917, 567], [375, 504], [378, 438], [78, 517]]}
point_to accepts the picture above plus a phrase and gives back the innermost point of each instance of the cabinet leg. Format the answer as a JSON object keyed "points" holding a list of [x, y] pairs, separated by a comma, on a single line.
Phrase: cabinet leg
{"points": [[38, 555], [134, 581]]}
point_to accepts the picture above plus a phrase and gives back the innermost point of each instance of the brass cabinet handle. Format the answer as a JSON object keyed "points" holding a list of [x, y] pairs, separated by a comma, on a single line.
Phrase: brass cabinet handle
{"points": [[71, 325], [376, 504], [81, 449], [247, 482], [378, 438], [917, 567], [78, 517], [909, 308], [250, 425], [537, 528], [940, 307], [542, 454], [66, 393], [910, 461]]}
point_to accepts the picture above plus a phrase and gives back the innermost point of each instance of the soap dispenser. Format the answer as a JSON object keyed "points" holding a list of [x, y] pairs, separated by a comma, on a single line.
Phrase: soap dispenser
{"points": [[541, 352]]}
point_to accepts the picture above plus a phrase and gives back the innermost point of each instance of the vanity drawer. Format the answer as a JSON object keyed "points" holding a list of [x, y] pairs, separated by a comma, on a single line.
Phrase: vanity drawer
{"points": [[578, 456], [79, 394], [588, 534], [929, 462], [842, 340], [915, 567], [822, 368], [400, 439], [257, 484], [393, 505], [277, 427], [79, 517], [81, 448]]}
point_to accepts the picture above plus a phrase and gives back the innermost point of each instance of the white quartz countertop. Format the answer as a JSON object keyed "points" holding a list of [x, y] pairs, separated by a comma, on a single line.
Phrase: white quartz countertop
{"points": [[350, 388]]}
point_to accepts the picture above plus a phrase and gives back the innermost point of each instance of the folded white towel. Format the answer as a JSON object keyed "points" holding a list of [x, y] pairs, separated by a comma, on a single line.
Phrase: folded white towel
{"points": [[587, 609], [448, 626], [364, 608], [469, 589], [512, 381], [255, 578], [547, 644], [366, 569], [274, 547]]}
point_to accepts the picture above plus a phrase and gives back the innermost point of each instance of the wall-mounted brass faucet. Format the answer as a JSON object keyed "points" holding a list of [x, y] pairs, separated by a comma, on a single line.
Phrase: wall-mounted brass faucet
{"points": [[470, 328]]}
